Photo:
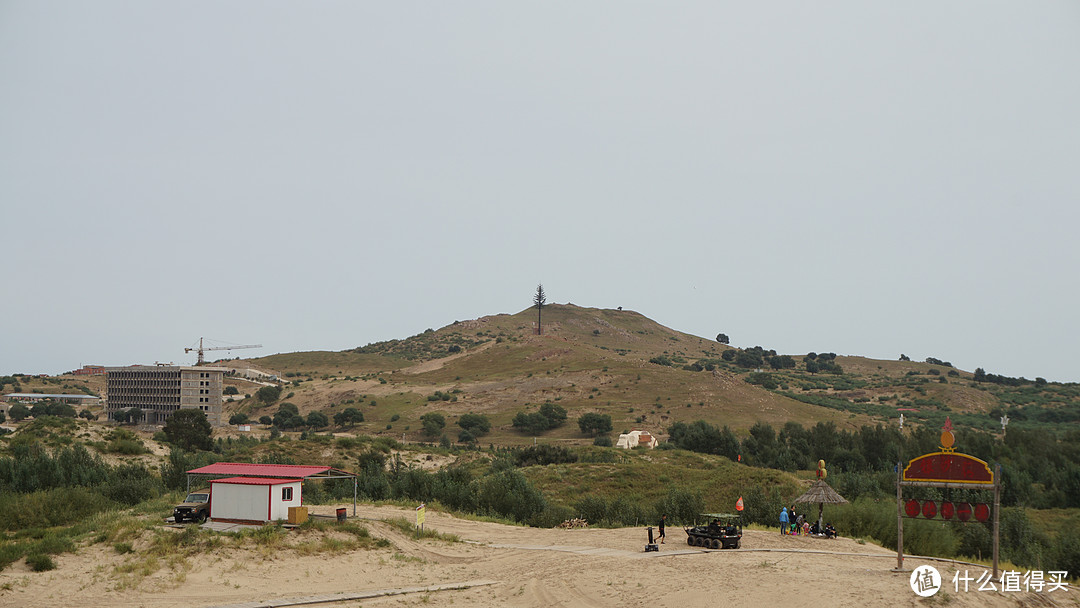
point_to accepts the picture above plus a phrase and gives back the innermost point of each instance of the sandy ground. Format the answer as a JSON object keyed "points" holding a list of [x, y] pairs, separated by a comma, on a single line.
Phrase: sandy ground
{"points": [[516, 567]]}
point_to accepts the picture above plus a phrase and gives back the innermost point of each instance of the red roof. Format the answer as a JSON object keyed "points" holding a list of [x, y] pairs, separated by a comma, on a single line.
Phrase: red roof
{"points": [[264, 470], [255, 481]]}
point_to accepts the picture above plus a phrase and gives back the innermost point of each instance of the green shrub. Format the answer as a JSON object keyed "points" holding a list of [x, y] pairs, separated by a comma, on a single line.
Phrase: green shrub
{"points": [[268, 394], [39, 562], [682, 506], [47, 508], [476, 425], [542, 455], [509, 494]]}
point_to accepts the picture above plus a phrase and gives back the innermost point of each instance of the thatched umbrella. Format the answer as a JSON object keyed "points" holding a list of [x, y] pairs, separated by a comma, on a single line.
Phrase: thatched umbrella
{"points": [[821, 493]]}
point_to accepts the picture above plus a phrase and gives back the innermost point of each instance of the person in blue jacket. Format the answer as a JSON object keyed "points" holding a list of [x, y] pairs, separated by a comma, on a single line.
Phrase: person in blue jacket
{"points": [[783, 520]]}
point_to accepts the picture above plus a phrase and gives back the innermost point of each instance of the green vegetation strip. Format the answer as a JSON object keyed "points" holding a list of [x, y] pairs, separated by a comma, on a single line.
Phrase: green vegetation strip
{"points": [[342, 597]]}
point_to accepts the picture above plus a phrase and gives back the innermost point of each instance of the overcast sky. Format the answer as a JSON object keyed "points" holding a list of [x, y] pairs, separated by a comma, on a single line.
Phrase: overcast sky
{"points": [[867, 178]]}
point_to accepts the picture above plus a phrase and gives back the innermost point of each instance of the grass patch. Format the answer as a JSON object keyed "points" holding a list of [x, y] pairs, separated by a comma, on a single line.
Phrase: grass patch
{"points": [[405, 526]]}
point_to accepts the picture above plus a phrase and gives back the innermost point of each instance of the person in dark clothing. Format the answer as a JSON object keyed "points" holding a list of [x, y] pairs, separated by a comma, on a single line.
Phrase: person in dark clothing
{"points": [[660, 528]]}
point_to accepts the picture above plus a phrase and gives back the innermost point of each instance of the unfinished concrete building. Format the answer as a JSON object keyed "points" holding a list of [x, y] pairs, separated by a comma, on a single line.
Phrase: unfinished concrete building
{"points": [[163, 389]]}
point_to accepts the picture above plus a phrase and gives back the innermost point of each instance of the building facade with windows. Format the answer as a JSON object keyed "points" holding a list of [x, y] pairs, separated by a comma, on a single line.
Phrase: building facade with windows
{"points": [[163, 389]]}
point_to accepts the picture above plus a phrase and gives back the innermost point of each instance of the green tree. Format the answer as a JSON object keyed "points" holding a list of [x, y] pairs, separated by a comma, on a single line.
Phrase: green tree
{"points": [[532, 423], [189, 430], [595, 424], [268, 394], [18, 412], [3, 418], [782, 362], [556, 414], [476, 425], [285, 412], [238, 418], [230, 390], [722, 338], [135, 414], [317, 420], [509, 494], [539, 300], [433, 424], [348, 417], [748, 359], [549, 417], [267, 420], [700, 436]]}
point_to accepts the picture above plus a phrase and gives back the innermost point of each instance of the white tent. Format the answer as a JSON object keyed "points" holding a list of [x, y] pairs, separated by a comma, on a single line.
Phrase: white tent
{"points": [[636, 438], [253, 499]]}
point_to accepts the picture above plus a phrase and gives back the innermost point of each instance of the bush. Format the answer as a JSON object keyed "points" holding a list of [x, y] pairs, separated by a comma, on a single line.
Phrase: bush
{"points": [[286, 412], [39, 562], [602, 441], [549, 417], [509, 494], [189, 430], [542, 455], [476, 425], [595, 424], [433, 423], [749, 359], [48, 508], [131, 484], [700, 436], [238, 418], [268, 394], [763, 379], [18, 412], [349, 416], [317, 420], [230, 390], [681, 506]]}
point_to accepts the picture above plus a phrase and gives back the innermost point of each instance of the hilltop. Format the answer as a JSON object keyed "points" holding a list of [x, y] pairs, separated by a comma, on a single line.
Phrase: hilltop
{"points": [[619, 363], [644, 375]]}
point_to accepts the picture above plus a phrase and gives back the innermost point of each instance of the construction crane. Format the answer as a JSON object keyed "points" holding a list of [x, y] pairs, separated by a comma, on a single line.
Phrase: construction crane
{"points": [[201, 349]]}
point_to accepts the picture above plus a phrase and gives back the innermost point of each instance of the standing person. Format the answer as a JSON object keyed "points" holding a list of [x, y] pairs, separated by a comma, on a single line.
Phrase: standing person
{"points": [[660, 526], [783, 520]]}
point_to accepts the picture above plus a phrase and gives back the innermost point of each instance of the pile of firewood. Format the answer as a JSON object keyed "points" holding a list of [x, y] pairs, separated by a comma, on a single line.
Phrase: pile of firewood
{"points": [[576, 522]]}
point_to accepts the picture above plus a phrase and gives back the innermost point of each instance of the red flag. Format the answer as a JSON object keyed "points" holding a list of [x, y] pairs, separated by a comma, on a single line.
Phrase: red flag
{"points": [[738, 504]]}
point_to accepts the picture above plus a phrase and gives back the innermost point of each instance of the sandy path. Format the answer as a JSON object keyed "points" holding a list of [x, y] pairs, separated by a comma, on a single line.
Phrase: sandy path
{"points": [[532, 567]]}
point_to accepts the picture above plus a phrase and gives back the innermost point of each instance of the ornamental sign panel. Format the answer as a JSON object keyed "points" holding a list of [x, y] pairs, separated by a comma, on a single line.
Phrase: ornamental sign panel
{"points": [[948, 465]]}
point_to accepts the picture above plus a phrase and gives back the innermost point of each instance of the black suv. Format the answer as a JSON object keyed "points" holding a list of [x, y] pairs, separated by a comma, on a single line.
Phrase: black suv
{"points": [[196, 507]]}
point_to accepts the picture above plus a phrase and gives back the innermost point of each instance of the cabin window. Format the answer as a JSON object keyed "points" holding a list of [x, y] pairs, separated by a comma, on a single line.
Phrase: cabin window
{"points": [[286, 493]]}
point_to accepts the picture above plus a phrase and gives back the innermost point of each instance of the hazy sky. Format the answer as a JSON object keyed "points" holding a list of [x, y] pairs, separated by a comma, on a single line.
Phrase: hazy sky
{"points": [[868, 178]]}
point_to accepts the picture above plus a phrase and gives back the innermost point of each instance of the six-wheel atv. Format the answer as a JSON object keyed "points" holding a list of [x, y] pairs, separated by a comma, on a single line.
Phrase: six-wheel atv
{"points": [[724, 531]]}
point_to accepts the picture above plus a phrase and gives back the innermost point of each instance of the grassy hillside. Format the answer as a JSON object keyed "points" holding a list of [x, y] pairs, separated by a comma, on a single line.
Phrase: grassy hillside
{"points": [[620, 363]]}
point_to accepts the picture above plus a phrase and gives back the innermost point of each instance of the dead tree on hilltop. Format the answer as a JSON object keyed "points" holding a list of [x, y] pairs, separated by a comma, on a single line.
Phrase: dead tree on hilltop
{"points": [[539, 300]]}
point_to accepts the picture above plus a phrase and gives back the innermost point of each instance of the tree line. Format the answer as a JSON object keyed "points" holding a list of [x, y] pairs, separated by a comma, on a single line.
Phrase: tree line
{"points": [[1039, 469]]}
